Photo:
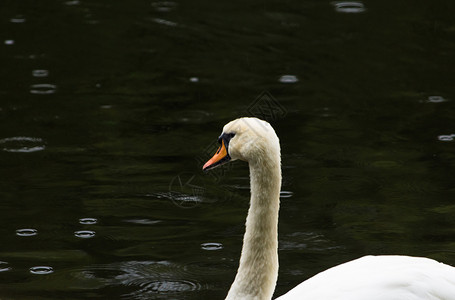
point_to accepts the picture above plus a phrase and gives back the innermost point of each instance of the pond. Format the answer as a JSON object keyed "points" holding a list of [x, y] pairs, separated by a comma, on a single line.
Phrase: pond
{"points": [[109, 109]]}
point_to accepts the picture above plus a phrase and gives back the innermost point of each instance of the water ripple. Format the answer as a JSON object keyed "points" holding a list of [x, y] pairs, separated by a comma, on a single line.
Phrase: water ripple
{"points": [[446, 137], [288, 79], [23, 144], [349, 7], [164, 6], [43, 89], [211, 246], [142, 221], [88, 221], [41, 270], [84, 234], [40, 73], [26, 232], [4, 267], [286, 194], [18, 19], [436, 99], [72, 2], [147, 278], [164, 22]]}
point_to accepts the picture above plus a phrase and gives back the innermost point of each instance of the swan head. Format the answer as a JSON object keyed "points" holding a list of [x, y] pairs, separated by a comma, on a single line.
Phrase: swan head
{"points": [[247, 139]]}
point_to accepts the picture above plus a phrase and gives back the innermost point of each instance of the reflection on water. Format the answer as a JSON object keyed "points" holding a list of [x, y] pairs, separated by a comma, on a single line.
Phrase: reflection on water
{"points": [[109, 109]]}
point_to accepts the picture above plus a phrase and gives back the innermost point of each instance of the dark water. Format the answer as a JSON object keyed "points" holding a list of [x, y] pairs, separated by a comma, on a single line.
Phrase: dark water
{"points": [[108, 110]]}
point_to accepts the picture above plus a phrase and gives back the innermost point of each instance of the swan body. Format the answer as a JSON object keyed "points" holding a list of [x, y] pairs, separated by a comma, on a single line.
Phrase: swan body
{"points": [[380, 278], [367, 278]]}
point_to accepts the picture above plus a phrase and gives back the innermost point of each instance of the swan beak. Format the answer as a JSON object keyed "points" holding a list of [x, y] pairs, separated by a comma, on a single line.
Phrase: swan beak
{"points": [[221, 156]]}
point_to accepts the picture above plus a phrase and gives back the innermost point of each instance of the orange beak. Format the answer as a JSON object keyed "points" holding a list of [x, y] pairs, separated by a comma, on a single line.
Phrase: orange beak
{"points": [[219, 158]]}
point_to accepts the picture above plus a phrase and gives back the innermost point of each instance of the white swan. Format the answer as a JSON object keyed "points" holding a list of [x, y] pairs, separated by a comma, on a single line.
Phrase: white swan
{"points": [[366, 278]]}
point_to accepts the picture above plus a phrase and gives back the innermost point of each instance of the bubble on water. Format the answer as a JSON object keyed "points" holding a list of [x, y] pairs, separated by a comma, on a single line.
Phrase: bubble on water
{"points": [[288, 79], [352, 7], [22, 144], [194, 79], [88, 221], [84, 234], [43, 89], [40, 73], [211, 246], [41, 270], [26, 232], [9, 42]]}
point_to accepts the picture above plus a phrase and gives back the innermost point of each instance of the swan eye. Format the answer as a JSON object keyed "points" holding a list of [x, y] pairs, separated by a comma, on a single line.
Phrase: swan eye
{"points": [[229, 136], [226, 136]]}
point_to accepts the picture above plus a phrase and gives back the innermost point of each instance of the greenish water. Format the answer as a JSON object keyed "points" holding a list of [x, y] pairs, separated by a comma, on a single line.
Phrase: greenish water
{"points": [[108, 110]]}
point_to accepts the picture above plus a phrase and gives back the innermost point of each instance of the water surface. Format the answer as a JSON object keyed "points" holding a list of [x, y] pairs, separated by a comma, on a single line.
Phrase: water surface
{"points": [[110, 108]]}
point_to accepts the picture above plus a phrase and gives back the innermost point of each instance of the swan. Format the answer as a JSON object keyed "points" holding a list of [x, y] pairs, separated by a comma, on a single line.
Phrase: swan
{"points": [[381, 277]]}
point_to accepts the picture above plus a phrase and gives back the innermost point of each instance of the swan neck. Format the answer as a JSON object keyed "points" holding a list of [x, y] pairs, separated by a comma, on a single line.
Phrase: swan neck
{"points": [[258, 269]]}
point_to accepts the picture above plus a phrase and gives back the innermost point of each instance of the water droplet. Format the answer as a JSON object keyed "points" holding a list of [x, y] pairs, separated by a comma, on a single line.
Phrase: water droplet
{"points": [[436, 99], [26, 232], [446, 138], [4, 266], [288, 79], [88, 221], [43, 89], [84, 234], [40, 73], [22, 144], [9, 42], [211, 246], [41, 270], [194, 79], [349, 7]]}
